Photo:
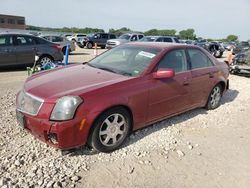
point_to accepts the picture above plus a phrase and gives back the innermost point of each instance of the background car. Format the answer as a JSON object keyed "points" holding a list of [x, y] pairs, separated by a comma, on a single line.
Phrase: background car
{"points": [[242, 46], [62, 41], [76, 37], [160, 39], [128, 37], [99, 38], [241, 63], [215, 48], [121, 90], [20, 49]]}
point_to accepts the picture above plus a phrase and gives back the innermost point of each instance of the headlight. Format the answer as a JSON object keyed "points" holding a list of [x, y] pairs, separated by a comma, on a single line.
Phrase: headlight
{"points": [[65, 108], [118, 42]]}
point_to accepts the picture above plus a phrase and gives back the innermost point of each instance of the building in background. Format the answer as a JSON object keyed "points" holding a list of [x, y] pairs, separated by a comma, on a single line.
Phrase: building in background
{"points": [[12, 22]]}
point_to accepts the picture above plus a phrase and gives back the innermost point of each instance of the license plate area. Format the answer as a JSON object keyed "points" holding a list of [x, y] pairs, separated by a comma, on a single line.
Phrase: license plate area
{"points": [[20, 119]]}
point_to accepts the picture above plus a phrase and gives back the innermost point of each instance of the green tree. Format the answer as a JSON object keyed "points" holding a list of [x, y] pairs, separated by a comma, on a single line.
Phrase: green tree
{"points": [[232, 38], [187, 34], [163, 32]]}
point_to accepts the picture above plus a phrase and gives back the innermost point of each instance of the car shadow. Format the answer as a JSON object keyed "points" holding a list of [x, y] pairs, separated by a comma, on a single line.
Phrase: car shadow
{"points": [[229, 96], [139, 134], [79, 53]]}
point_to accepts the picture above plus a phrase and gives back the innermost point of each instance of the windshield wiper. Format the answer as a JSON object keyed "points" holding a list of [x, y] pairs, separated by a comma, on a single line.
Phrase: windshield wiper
{"points": [[107, 69]]}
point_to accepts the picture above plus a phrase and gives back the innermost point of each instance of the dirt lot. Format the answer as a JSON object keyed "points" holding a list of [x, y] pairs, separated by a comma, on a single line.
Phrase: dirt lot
{"points": [[196, 149]]}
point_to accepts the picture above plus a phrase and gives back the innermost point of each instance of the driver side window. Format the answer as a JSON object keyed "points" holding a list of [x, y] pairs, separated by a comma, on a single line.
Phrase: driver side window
{"points": [[175, 60]]}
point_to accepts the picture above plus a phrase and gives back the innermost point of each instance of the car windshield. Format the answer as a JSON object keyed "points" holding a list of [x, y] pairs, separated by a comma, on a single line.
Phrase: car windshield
{"points": [[148, 39], [90, 35], [125, 60], [125, 36]]}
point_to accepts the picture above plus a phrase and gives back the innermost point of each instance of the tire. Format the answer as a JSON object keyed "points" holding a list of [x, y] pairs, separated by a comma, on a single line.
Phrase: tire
{"points": [[45, 59], [103, 47], [110, 130], [64, 50], [214, 98], [89, 45]]}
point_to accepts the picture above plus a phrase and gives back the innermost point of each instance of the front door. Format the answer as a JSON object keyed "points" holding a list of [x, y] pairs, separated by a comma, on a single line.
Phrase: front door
{"points": [[7, 51], [25, 49], [171, 95]]}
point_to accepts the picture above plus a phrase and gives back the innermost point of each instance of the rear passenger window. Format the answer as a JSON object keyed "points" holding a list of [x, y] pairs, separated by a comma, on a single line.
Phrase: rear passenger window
{"points": [[104, 36], [160, 40], [6, 41], [167, 39], [134, 38], [112, 36], [198, 59], [175, 60], [140, 37], [176, 40], [40, 41]]}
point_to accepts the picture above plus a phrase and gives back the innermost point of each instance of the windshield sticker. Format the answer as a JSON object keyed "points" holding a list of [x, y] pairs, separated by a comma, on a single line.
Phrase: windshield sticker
{"points": [[136, 71], [146, 54]]}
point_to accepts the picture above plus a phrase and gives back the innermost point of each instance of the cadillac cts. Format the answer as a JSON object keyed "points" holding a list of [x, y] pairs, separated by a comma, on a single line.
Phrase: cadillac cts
{"points": [[99, 103]]}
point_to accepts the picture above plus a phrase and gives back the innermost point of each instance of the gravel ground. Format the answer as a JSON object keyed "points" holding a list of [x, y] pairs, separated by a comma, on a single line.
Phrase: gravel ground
{"points": [[196, 149]]}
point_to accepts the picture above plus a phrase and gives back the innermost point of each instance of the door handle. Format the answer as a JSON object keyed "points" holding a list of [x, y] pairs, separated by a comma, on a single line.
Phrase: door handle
{"points": [[186, 81], [211, 75]]}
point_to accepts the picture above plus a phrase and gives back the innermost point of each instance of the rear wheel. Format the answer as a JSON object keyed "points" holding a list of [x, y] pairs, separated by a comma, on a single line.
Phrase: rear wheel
{"points": [[110, 130], [64, 50], [214, 98]]}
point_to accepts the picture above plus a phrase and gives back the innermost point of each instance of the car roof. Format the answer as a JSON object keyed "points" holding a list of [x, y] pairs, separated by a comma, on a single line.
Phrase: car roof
{"points": [[161, 45], [17, 34], [157, 36]]}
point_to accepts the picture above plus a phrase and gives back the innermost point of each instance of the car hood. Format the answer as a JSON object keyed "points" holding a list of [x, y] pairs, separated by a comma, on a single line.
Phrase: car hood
{"points": [[73, 80], [122, 41]]}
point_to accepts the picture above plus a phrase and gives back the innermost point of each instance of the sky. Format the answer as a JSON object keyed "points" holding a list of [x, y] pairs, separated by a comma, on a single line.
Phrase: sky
{"points": [[210, 19]]}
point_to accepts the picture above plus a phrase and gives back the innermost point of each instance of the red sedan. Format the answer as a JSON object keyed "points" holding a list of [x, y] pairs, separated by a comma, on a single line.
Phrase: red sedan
{"points": [[124, 89]]}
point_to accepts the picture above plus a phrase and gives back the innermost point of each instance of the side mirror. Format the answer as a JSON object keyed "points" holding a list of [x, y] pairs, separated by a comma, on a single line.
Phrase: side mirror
{"points": [[164, 73]]}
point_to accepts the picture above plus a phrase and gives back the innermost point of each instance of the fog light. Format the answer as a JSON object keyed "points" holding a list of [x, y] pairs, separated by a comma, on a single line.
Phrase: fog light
{"points": [[53, 138]]}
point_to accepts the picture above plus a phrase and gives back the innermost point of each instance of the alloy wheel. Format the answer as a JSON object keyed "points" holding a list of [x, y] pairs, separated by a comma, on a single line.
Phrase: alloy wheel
{"points": [[113, 129], [215, 96]]}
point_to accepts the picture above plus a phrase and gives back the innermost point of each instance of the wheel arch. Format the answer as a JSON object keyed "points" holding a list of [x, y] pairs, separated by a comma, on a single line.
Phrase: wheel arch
{"points": [[128, 109], [46, 55]]}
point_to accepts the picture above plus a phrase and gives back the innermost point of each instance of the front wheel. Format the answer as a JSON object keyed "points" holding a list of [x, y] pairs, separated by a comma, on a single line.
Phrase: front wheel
{"points": [[214, 98], [89, 45], [110, 130]]}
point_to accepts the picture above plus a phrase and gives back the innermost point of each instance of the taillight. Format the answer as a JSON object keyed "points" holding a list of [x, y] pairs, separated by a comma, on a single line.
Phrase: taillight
{"points": [[57, 47]]}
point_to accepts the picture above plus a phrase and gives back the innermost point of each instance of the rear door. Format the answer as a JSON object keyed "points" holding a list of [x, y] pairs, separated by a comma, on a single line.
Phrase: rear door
{"points": [[103, 39], [203, 75], [7, 51], [171, 95], [25, 49]]}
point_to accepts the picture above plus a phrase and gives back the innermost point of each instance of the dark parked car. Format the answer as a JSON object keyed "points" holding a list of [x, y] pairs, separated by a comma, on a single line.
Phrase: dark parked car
{"points": [[62, 41], [20, 49], [123, 89], [160, 39], [215, 48], [241, 63], [99, 38], [242, 46]]}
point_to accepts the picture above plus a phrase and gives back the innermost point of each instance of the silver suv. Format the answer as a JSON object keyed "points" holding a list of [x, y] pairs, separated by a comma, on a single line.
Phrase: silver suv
{"points": [[160, 39], [128, 37]]}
